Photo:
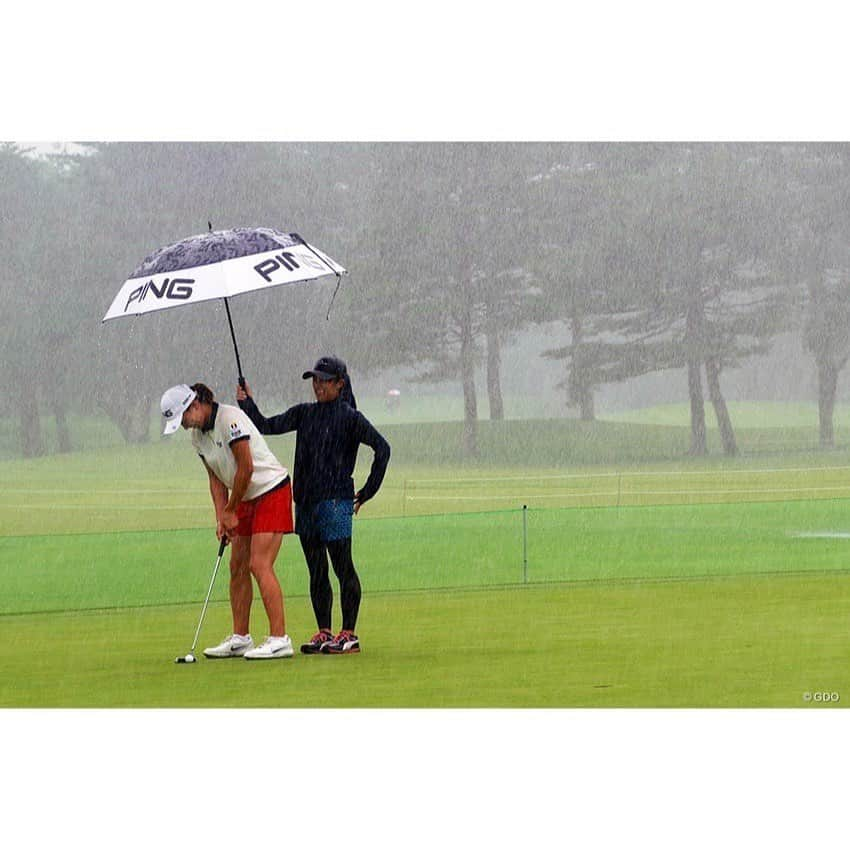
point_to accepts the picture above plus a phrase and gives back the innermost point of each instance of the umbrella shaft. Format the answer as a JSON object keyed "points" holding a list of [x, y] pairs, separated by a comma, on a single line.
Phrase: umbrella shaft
{"points": [[235, 347]]}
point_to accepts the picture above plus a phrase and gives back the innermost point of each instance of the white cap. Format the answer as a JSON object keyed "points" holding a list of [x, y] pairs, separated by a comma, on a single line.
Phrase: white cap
{"points": [[173, 404]]}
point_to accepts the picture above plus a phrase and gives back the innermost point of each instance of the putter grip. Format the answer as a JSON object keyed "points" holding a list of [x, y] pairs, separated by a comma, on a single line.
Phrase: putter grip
{"points": [[222, 546]]}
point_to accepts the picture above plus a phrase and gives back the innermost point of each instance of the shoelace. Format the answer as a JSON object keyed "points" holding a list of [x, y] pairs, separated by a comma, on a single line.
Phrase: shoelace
{"points": [[321, 637]]}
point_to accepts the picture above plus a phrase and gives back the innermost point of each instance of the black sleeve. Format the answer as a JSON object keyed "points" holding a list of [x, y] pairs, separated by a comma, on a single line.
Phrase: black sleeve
{"points": [[366, 434], [280, 424]]}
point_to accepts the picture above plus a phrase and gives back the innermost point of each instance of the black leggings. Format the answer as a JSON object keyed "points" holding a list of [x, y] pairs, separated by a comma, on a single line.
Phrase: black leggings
{"points": [[321, 593]]}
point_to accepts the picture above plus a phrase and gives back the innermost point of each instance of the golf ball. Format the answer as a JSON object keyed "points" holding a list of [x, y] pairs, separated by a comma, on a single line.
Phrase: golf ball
{"points": [[190, 658]]}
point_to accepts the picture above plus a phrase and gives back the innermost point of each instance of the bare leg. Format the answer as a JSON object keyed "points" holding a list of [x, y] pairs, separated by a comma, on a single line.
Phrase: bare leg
{"points": [[241, 589], [264, 549]]}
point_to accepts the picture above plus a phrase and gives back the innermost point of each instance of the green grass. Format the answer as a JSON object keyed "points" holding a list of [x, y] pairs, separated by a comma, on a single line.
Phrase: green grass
{"points": [[161, 486], [647, 578], [432, 434], [709, 643], [744, 414], [710, 605], [88, 433], [42, 573], [429, 407], [91, 433]]}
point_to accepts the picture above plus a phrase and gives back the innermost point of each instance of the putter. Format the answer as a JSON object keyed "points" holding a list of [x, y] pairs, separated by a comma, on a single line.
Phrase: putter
{"points": [[190, 657]]}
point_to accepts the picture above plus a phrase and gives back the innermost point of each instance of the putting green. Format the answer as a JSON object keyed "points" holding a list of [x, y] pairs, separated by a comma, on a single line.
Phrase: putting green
{"points": [[729, 642]]}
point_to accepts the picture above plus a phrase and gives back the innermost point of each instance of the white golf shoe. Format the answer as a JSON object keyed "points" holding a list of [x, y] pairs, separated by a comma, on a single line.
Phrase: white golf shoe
{"points": [[234, 646], [271, 647]]}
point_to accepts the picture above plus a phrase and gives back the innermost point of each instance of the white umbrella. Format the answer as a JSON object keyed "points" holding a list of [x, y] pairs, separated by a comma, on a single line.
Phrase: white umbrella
{"points": [[220, 264]]}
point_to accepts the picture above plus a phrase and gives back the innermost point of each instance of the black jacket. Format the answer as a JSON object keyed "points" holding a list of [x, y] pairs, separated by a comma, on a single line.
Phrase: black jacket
{"points": [[327, 438]]}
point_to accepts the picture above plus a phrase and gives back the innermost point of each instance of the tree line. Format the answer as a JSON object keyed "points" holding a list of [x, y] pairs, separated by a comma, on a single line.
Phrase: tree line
{"points": [[693, 257]]}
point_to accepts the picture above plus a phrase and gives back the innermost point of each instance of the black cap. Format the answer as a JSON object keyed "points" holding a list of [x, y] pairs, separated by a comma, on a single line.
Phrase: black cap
{"points": [[327, 368]]}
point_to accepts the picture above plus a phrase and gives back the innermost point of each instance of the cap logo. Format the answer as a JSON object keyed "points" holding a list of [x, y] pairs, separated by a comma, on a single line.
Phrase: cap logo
{"points": [[168, 413]]}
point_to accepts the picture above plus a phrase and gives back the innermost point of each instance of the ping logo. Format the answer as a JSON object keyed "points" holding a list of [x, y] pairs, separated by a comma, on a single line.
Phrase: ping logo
{"points": [[284, 260], [177, 289]]}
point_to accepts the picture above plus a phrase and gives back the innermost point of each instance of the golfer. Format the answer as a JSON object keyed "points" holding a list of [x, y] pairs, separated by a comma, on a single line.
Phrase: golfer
{"points": [[252, 498], [328, 434]]}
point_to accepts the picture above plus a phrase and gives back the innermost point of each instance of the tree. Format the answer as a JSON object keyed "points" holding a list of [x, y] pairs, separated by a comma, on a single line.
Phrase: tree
{"points": [[722, 293], [585, 245], [816, 251], [447, 246], [38, 312], [690, 287]]}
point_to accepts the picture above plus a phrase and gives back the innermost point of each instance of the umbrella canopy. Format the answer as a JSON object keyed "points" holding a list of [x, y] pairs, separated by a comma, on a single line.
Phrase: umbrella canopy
{"points": [[219, 264]]}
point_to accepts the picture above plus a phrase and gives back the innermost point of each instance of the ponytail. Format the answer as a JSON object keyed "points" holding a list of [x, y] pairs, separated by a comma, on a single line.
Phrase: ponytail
{"points": [[347, 393]]}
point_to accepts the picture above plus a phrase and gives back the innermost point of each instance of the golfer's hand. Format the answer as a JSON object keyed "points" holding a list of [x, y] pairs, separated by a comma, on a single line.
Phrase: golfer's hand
{"points": [[228, 522], [243, 392], [357, 504]]}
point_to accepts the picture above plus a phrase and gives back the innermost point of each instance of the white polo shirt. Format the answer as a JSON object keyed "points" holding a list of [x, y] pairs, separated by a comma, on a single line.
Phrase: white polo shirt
{"points": [[231, 425]]}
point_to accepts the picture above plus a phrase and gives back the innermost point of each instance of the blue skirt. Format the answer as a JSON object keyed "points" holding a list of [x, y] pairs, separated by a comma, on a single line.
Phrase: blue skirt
{"points": [[325, 521]]}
